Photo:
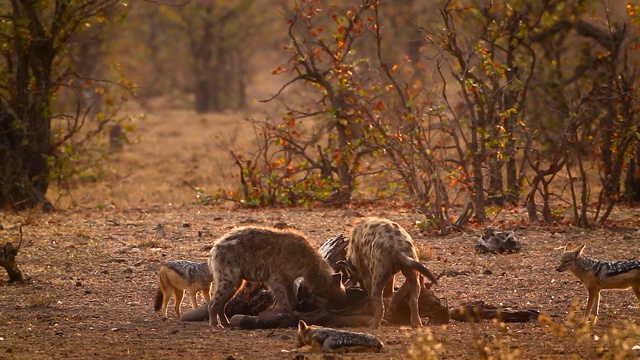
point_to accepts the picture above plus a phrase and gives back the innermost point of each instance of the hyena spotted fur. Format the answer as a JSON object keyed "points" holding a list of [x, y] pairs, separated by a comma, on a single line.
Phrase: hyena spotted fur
{"points": [[275, 257], [378, 249]]}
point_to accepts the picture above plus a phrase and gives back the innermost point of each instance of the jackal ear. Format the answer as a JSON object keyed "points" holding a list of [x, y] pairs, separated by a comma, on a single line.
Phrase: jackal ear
{"points": [[302, 326], [579, 250], [337, 279], [568, 247]]}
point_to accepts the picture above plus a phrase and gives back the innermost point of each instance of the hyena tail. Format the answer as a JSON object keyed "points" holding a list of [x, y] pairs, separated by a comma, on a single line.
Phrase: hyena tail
{"points": [[157, 305], [420, 268]]}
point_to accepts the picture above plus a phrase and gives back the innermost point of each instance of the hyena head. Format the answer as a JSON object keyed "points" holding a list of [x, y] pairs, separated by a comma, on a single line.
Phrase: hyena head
{"points": [[570, 257]]}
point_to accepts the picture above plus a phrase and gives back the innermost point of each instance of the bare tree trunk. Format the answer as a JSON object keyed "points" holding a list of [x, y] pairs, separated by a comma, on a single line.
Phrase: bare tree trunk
{"points": [[632, 180]]}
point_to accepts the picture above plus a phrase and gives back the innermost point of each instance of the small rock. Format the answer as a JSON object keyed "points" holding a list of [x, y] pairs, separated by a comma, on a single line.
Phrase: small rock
{"points": [[121, 250], [352, 213]]}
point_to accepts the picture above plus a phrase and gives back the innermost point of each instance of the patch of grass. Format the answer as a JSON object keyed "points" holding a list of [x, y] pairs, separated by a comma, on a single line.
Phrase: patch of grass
{"points": [[488, 346], [495, 346], [39, 300], [425, 346], [424, 252], [614, 342]]}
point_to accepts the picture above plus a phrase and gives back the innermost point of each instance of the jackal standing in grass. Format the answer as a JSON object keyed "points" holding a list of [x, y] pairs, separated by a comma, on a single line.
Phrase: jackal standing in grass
{"points": [[176, 276], [600, 275], [378, 249], [275, 257], [330, 340]]}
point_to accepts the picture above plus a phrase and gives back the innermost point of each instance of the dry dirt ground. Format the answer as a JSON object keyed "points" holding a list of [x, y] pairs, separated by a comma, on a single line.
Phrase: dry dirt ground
{"points": [[93, 267]]}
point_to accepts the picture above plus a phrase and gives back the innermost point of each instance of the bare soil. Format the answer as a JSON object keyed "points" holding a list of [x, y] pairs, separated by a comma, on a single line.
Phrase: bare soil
{"points": [[93, 267]]}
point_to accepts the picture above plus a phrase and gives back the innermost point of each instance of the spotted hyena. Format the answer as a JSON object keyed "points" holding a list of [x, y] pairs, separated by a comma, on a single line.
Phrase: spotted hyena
{"points": [[378, 249], [275, 257]]}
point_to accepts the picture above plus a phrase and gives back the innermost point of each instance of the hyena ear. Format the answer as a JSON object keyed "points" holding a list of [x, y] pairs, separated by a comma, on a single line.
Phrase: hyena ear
{"points": [[302, 326], [569, 247]]}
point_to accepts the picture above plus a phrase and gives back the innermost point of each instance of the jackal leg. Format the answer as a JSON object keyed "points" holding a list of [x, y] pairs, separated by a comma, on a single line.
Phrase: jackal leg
{"points": [[207, 294], [636, 292], [594, 299], [177, 296], [192, 295], [166, 297]]}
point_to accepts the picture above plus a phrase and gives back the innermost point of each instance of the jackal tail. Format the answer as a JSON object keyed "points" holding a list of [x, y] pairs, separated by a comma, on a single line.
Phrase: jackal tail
{"points": [[157, 304], [415, 265]]}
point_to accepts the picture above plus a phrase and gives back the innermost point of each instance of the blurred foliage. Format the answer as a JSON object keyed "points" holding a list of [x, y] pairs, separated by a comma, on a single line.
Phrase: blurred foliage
{"points": [[50, 51]]}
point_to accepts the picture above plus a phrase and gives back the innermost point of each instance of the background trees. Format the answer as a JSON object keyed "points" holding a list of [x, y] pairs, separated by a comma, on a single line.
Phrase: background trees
{"points": [[36, 41], [505, 104]]}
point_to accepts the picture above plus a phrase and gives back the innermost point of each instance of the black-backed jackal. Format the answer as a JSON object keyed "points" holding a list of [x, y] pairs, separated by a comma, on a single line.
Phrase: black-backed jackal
{"points": [[335, 341], [600, 275], [378, 249], [275, 257], [176, 276]]}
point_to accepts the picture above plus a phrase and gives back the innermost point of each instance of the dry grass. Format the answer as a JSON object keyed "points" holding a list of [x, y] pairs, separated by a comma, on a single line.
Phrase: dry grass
{"points": [[173, 147]]}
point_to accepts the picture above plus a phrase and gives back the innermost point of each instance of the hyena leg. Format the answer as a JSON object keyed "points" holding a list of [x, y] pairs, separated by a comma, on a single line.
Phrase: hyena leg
{"points": [[388, 288], [292, 297], [225, 290], [177, 295], [399, 295], [414, 291], [281, 294], [377, 301]]}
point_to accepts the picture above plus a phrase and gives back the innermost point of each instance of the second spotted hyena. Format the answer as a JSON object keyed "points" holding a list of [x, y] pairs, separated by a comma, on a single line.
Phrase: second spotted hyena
{"points": [[274, 257], [378, 249]]}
